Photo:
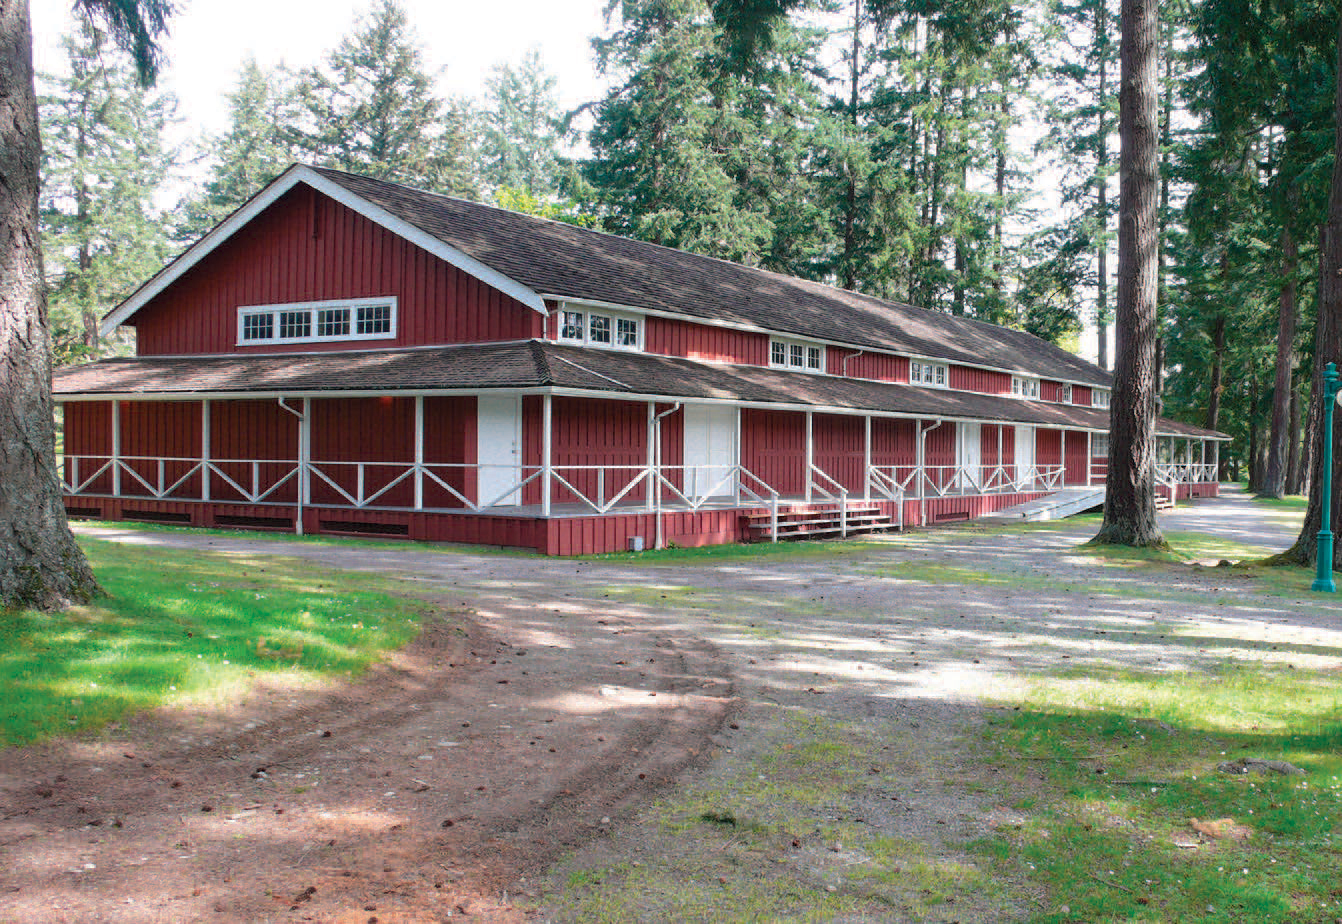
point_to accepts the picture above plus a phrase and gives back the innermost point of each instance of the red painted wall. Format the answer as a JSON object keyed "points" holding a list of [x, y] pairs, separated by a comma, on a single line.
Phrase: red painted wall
{"points": [[702, 341], [879, 367], [306, 247], [1081, 395], [1047, 447], [773, 447], [1077, 457], [1050, 391], [984, 381], [840, 450], [88, 432], [160, 428]]}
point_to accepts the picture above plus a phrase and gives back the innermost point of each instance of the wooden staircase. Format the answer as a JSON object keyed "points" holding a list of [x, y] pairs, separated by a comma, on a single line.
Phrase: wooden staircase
{"points": [[816, 521]]}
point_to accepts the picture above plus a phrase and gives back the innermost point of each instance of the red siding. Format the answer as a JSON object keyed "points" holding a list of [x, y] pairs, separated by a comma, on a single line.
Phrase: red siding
{"points": [[1047, 447], [1050, 391], [893, 442], [1077, 457], [88, 432], [989, 445], [840, 450], [449, 437], [940, 444], [261, 430], [1081, 395], [984, 381], [370, 430], [160, 428], [669, 337], [306, 247], [773, 447], [880, 367]]}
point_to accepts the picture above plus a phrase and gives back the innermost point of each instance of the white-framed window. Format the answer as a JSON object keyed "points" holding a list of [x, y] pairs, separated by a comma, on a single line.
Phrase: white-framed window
{"points": [[599, 327], [792, 354], [1099, 445], [1023, 386], [1099, 397], [1065, 394], [925, 372], [312, 322]]}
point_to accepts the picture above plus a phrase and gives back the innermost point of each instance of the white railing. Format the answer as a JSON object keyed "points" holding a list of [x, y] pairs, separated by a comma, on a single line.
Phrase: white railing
{"points": [[962, 480], [835, 493]]}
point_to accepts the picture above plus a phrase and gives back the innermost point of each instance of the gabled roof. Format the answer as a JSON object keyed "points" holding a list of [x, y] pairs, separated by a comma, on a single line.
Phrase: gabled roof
{"points": [[543, 365], [529, 257]]}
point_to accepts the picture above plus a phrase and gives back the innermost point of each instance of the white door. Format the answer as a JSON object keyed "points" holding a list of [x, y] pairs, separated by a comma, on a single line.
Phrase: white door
{"points": [[499, 436], [710, 450], [971, 457], [1024, 457]]}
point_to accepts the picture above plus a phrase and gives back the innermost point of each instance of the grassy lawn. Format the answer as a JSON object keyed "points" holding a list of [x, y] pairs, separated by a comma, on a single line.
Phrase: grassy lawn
{"points": [[188, 628]]}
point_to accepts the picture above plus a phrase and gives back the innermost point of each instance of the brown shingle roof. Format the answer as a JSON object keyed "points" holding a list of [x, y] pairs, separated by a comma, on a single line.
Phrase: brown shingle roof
{"points": [[553, 258], [538, 364]]}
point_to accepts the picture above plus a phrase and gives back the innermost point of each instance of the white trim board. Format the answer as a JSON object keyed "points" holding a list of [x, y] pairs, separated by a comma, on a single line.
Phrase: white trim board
{"points": [[286, 181]]}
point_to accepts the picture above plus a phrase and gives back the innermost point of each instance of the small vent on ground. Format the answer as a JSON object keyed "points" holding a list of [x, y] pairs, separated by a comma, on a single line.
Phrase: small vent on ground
{"points": [[236, 522], [84, 513], [365, 529], [952, 515], [155, 516]]}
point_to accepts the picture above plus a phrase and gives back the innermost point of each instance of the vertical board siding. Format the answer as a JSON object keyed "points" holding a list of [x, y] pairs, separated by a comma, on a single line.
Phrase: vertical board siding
{"points": [[984, 381], [1076, 457], [591, 432], [88, 432], [168, 429], [840, 449], [773, 447], [346, 431], [893, 443], [1050, 391], [671, 337], [879, 367], [306, 247], [450, 437], [940, 445], [1081, 396], [1047, 447], [242, 431]]}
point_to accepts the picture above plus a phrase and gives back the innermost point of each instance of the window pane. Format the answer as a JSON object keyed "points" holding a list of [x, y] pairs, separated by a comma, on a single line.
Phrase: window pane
{"points": [[794, 354], [927, 373], [258, 326], [600, 329], [941, 375], [374, 319], [332, 322], [626, 332], [813, 357], [915, 371], [295, 324], [571, 329]]}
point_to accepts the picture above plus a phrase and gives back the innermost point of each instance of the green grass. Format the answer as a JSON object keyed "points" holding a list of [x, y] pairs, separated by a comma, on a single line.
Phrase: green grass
{"points": [[1294, 503], [1122, 761], [183, 628]]}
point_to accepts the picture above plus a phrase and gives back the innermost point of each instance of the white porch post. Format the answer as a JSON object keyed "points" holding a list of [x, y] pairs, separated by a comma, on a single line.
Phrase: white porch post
{"points": [[547, 419], [205, 449], [1001, 463], [866, 458], [653, 486], [736, 451], [304, 458], [419, 452], [810, 454], [116, 448]]}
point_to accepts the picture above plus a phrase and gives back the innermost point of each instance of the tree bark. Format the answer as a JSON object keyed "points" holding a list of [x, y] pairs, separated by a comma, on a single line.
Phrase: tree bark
{"points": [[1293, 443], [1102, 194], [1129, 507], [1327, 348], [1217, 385], [1274, 474], [40, 565]]}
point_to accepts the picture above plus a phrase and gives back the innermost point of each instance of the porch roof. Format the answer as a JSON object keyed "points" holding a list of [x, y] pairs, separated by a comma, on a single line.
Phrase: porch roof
{"points": [[539, 364]]}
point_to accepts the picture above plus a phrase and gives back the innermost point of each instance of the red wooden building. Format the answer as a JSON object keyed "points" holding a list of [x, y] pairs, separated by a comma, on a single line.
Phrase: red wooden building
{"points": [[346, 355]]}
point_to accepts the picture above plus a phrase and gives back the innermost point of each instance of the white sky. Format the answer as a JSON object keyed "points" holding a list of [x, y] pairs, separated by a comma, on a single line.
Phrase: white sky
{"points": [[210, 39]]}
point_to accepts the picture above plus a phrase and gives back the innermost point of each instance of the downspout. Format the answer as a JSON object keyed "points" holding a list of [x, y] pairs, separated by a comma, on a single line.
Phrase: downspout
{"points": [[302, 458], [922, 469], [657, 456], [844, 367]]}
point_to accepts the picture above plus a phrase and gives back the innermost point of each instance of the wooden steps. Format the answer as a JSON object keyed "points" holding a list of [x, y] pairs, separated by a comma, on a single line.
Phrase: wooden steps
{"points": [[816, 521]]}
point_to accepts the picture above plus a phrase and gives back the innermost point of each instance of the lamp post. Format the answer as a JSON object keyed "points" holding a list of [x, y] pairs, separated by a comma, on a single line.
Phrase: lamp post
{"points": [[1323, 577]]}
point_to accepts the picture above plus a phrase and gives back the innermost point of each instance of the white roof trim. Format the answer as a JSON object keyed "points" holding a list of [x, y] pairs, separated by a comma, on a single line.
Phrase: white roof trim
{"points": [[295, 175]]}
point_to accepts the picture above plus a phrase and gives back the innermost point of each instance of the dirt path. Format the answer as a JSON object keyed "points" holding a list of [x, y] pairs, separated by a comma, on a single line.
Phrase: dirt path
{"points": [[591, 688]]}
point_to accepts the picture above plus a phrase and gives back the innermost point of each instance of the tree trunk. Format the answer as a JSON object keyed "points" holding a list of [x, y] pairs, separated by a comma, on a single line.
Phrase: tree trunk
{"points": [[1217, 384], [40, 565], [1129, 507], [1327, 348], [1293, 444], [1102, 195], [1274, 474]]}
